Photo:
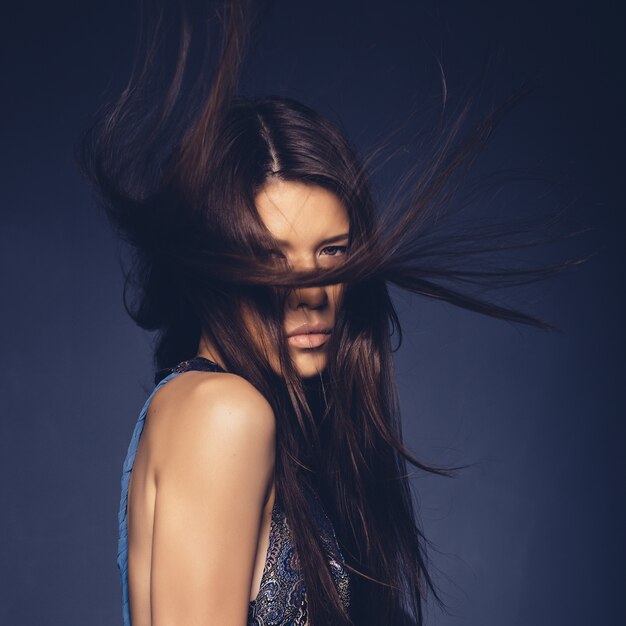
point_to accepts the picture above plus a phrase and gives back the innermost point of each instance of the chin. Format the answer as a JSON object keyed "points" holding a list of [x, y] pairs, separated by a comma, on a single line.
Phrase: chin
{"points": [[309, 365]]}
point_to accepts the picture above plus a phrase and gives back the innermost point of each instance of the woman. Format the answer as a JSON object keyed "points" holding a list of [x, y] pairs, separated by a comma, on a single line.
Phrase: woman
{"points": [[266, 479]]}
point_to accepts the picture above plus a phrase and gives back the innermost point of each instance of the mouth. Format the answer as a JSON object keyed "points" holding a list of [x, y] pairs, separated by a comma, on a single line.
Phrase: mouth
{"points": [[308, 340]]}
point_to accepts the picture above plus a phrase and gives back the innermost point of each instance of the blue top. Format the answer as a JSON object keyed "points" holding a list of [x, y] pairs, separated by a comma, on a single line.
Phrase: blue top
{"points": [[281, 600]]}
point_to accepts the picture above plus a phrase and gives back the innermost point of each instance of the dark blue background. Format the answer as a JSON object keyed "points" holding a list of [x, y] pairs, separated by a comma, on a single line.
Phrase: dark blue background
{"points": [[533, 532]]}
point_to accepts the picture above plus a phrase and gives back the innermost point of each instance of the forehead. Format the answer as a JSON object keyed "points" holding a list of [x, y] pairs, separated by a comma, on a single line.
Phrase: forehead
{"points": [[301, 214]]}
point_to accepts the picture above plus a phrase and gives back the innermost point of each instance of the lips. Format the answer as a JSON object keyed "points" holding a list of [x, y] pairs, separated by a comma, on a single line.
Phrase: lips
{"points": [[308, 340], [309, 336], [306, 329]]}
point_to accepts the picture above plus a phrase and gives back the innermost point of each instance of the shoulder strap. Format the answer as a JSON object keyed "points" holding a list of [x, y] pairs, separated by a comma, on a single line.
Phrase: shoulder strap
{"points": [[196, 363]]}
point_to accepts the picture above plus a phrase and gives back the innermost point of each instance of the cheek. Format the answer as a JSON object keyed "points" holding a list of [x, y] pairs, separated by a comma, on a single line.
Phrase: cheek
{"points": [[335, 294], [256, 328]]}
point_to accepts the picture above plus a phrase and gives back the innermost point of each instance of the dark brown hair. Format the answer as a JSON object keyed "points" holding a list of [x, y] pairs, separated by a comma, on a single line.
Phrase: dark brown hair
{"points": [[176, 170]]}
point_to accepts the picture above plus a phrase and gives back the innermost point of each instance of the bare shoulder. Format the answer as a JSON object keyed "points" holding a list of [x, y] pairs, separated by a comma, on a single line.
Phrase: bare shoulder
{"points": [[212, 449], [209, 411]]}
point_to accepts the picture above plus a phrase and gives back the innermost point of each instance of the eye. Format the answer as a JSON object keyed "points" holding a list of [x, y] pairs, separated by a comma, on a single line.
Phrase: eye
{"points": [[275, 253], [335, 248]]}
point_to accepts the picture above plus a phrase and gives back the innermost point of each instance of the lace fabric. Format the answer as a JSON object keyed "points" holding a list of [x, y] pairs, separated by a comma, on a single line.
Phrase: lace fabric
{"points": [[282, 595]]}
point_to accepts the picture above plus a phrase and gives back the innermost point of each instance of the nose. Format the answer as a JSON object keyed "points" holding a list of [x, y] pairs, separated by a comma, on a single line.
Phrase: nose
{"points": [[308, 297]]}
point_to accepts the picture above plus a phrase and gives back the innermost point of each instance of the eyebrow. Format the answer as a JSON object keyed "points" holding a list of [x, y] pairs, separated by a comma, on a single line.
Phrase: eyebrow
{"points": [[333, 239]]}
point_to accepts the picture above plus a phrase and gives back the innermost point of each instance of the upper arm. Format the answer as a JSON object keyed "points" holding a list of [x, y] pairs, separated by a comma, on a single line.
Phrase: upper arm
{"points": [[216, 445]]}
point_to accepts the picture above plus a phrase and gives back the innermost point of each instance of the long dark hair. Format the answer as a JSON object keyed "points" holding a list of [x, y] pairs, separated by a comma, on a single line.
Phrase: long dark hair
{"points": [[177, 177]]}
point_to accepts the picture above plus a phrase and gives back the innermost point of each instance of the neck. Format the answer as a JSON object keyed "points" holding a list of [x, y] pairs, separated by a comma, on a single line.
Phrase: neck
{"points": [[208, 351]]}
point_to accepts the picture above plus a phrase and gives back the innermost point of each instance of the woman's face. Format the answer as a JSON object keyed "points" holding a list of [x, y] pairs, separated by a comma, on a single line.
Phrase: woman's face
{"points": [[311, 227]]}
